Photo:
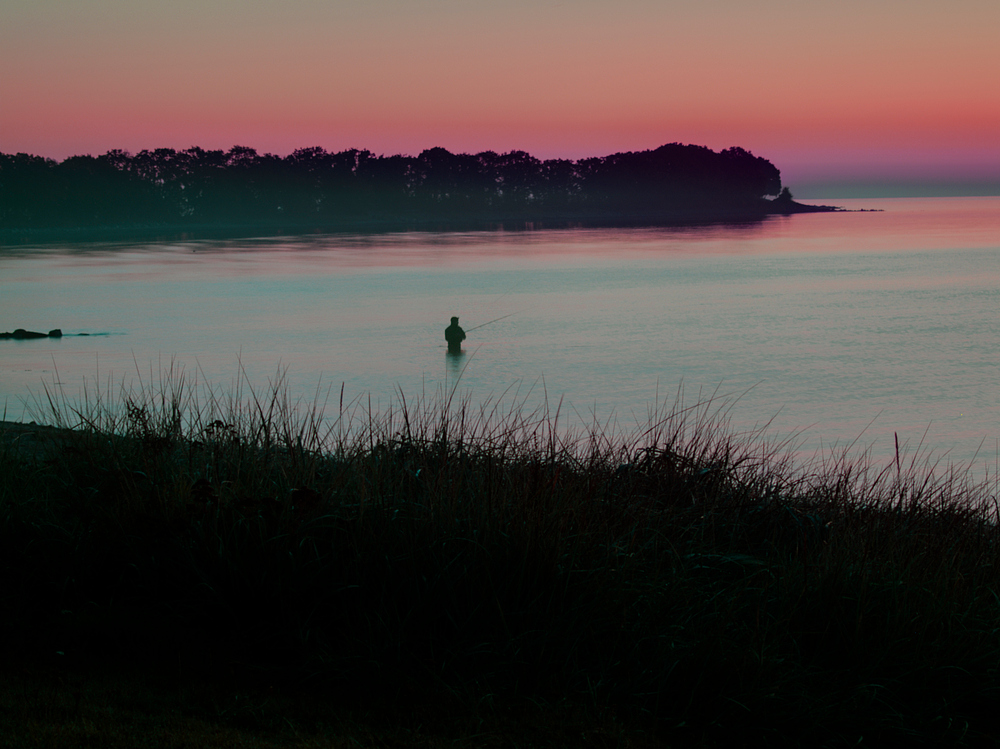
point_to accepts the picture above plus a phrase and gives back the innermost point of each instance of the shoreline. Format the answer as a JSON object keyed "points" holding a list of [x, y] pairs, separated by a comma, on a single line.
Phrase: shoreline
{"points": [[10, 237]]}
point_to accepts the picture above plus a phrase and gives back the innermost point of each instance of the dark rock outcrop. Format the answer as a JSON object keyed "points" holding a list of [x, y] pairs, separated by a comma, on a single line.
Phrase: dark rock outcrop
{"points": [[21, 334]]}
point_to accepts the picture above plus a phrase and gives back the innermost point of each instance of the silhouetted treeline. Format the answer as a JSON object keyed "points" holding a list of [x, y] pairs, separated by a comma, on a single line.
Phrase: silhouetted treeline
{"points": [[312, 187]]}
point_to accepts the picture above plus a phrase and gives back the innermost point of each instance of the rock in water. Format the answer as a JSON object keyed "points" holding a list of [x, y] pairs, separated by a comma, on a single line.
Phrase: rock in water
{"points": [[21, 334]]}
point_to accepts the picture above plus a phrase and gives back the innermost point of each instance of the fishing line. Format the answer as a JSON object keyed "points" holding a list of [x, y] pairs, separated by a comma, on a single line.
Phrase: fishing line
{"points": [[513, 287], [492, 321], [493, 303]]}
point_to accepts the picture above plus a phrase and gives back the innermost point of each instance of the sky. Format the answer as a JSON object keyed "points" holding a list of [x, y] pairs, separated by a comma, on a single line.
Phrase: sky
{"points": [[828, 90]]}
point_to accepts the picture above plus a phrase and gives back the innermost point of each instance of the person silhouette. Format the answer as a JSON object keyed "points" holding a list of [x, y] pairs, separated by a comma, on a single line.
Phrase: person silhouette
{"points": [[454, 335]]}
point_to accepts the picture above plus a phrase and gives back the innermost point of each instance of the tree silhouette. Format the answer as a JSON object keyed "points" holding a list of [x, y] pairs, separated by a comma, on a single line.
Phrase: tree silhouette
{"points": [[314, 188]]}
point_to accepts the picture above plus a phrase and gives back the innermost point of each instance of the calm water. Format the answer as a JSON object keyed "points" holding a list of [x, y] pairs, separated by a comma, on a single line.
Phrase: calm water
{"points": [[824, 322]]}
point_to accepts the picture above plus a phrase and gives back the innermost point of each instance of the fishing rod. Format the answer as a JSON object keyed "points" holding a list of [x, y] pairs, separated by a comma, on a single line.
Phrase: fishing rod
{"points": [[491, 322]]}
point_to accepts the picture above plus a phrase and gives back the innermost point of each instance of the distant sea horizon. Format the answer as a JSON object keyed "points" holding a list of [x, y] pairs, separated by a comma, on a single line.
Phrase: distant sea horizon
{"points": [[878, 188]]}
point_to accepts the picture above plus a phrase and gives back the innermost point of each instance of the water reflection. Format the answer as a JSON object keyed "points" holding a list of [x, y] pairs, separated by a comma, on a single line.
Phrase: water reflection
{"points": [[830, 318], [454, 364], [908, 224]]}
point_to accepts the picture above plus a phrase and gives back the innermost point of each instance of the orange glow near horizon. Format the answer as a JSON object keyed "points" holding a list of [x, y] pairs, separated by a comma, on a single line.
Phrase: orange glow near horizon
{"points": [[905, 85]]}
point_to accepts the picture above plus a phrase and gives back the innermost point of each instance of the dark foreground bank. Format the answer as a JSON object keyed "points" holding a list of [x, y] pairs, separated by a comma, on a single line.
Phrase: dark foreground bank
{"points": [[442, 572]]}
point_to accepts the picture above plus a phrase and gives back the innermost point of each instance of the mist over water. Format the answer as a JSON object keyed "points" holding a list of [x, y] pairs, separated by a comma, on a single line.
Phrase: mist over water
{"points": [[833, 327]]}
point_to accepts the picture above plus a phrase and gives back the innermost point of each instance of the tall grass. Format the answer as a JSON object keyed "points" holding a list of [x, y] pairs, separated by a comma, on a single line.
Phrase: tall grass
{"points": [[466, 557]]}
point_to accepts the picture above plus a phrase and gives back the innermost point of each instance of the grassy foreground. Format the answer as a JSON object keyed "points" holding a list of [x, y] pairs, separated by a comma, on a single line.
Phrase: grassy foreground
{"points": [[182, 567]]}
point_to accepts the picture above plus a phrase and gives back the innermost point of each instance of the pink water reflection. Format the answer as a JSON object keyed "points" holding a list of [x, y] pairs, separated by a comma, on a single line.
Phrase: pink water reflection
{"points": [[825, 321]]}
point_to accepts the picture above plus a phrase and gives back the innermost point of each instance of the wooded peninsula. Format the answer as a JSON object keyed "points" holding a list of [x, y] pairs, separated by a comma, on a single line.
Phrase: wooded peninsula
{"points": [[312, 189]]}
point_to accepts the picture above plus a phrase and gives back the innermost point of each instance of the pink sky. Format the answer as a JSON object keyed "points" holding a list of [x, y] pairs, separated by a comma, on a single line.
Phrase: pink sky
{"points": [[902, 89]]}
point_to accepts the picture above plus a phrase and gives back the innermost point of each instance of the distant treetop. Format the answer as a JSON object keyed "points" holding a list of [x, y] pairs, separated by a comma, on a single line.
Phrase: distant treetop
{"points": [[313, 187]]}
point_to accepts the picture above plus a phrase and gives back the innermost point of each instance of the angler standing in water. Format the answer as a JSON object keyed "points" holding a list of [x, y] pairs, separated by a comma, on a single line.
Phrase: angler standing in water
{"points": [[454, 335]]}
